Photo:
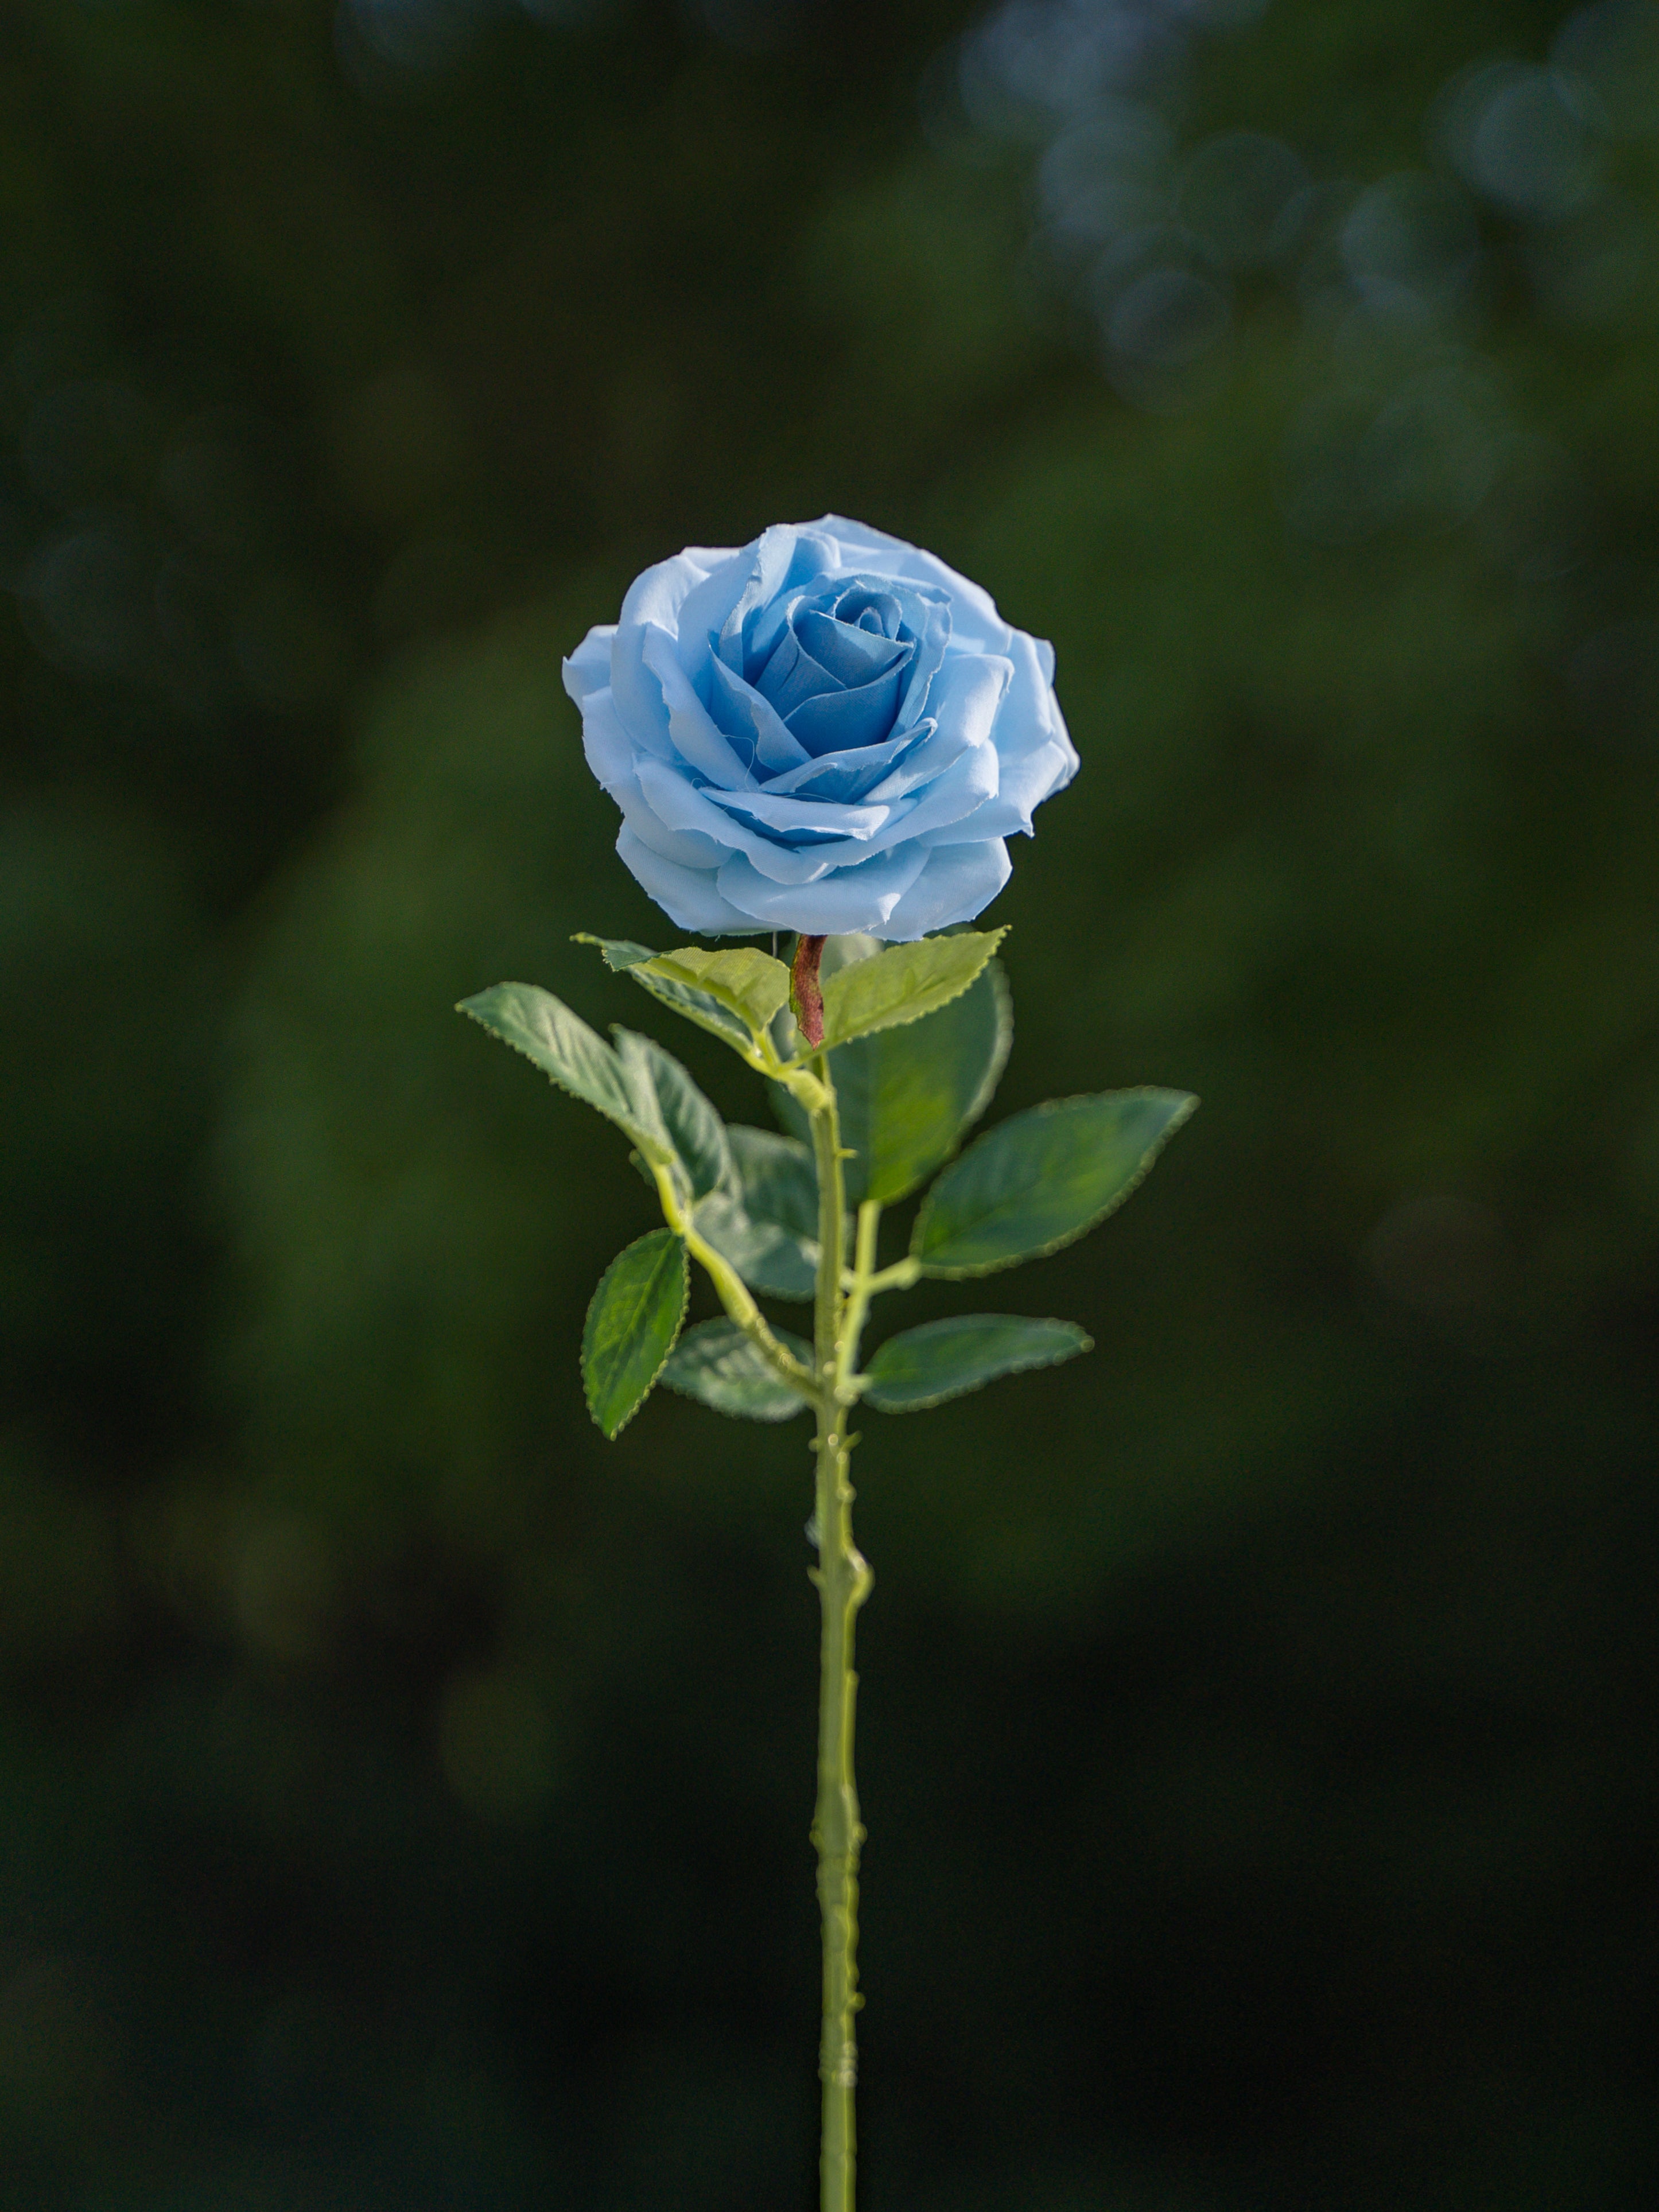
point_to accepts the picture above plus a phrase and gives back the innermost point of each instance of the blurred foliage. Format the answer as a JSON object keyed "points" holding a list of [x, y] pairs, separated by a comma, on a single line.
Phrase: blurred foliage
{"points": [[405, 1795]]}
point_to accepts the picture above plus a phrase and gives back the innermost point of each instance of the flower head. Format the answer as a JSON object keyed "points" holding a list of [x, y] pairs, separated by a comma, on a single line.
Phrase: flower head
{"points": [[827, 730]]}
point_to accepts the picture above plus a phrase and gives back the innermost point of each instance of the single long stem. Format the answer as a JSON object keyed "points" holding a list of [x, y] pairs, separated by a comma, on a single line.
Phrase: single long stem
{"points": [[843, 1581]]}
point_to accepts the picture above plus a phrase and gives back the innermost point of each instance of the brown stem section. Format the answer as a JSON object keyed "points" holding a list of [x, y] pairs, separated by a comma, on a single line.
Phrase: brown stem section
{"points": [[805, 999]]}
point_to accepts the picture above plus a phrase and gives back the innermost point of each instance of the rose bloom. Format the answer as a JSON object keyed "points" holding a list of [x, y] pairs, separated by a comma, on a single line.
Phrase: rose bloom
{"points": [[825, 731]]}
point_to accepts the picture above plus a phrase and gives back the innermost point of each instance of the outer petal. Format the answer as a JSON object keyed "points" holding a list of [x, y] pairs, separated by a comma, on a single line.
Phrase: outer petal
{"points": [[638, 694], [691, 897], [804, 818], [589, 666], [947, 803], [1033, 743], [958, 882], [848, 899], [678, 805], [657, 594], [614, 763]]}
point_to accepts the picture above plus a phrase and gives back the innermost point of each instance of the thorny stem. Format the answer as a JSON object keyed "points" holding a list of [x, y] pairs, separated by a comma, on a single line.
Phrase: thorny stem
{"points": [[841, 1575], [843, 1582]]}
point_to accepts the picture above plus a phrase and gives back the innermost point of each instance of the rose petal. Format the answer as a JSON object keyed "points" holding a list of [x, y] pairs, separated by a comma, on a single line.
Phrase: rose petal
{"points": [[615, 764], [588, 667], [679, 806], [697, 739], [658, 594], [691, 897], [1033, 743], [844, 777], [958, 882], [753, 724], [848, 899]]}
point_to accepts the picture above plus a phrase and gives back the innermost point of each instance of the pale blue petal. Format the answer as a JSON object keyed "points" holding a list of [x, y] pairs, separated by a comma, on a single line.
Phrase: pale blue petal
{"points": [[973, 609], [852, 655], [658, 594], [834, 720], [958, 882], [783, 558], [928, 613], [678, 805], [859, 543], [691, 897], [753, 724], [1031, 740], [802, 820], [846, 777], [850, 898], [616, 766], [967, 693], [792, 675], [696, 625], [588, 667], [962, 788], [638, 694], [697, 740]]}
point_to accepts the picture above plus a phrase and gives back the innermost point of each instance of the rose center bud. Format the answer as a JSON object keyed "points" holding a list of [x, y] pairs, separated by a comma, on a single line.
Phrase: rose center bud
{"points": [[836, 674]]}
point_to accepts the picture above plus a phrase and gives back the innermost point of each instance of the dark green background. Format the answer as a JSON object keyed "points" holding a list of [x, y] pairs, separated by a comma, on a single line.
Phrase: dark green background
{"points": [[403, 1795]]}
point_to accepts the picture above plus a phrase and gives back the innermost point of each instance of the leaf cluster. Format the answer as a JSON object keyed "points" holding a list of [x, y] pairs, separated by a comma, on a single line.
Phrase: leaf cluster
{"points": [[916, 1039]]}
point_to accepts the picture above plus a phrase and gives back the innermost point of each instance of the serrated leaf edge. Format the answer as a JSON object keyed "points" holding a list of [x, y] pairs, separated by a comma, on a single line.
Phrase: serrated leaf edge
{"points": [[1019, 1367], [612, 1436], [470, 1008], [898, 1019], [604, 944], [1182, 1112]]}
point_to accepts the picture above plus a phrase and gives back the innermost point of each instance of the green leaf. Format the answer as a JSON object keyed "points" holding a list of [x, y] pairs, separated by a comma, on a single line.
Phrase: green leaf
{"points": [[626, 958], [543, 1029], [773, 1262], [943, 1358], [619, 953], [716, 1363], [689, 1123], [777, 1178], [632, 1323], [1041, 1179], [903, 984], [748, 983], [764, 1220], [907, 1095]]}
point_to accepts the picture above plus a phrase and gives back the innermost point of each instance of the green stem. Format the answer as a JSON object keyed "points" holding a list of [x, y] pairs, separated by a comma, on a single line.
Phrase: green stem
{"points": [[843, 1582]]}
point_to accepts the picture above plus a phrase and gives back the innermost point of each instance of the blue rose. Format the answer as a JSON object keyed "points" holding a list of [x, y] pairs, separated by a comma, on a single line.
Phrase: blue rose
{"points": [[828, 730]]}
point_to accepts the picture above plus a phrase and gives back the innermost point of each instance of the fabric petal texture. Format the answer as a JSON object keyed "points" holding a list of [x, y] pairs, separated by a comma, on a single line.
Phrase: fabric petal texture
{"points": [[827, 730]]}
